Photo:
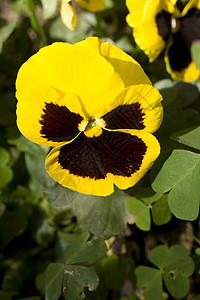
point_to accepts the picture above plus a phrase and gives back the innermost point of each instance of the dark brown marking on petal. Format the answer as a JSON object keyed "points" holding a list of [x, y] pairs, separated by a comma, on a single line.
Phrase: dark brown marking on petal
{"points": [[112, 152], [190, 27], [179, 55], [163, 21], [59, 124], [189, 31], [127, 116]]}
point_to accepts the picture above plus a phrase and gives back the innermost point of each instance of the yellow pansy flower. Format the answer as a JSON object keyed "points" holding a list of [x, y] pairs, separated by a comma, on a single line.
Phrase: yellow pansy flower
{"points": [[172, 25], [68, 14], [94, 104]]}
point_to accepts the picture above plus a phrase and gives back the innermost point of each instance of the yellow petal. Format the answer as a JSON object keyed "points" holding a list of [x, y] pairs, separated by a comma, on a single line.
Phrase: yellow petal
{"points": [[92, 5], [142, 18], [128, 69], [30, 109], [68, 14], [72, 68]]}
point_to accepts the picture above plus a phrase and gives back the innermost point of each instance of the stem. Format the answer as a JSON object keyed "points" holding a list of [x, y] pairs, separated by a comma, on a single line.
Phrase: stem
{"points": [[36, 25], [99, 29]]}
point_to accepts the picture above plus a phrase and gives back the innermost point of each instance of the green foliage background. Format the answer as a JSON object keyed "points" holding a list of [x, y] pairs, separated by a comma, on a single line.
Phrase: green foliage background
{"points": [[142, 243]]}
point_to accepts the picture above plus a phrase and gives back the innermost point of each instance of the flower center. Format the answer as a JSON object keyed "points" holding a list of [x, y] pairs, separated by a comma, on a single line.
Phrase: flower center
{"points": [[92, 126], [175, 24]]}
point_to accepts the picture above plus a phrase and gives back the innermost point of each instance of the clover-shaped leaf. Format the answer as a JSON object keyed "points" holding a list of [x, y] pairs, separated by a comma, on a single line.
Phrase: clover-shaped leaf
{"points": [[72, 278], [157, 202], [76, 278], [158, 256], [150, 279], [177, 285], [141, 213], [176, 266], [178, 261], [53, 281], [189, 137], [160, 211], [180, 175], [147, 195], [81, 250]]}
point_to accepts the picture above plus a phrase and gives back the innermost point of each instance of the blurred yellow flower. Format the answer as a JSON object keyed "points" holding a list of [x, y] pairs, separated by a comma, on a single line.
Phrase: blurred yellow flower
{"points": [[68, 14], [95, 105], [172, 25]]}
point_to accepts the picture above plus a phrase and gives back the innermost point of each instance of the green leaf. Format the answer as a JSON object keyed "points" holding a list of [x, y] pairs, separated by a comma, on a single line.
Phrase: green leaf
{"points": [[178, 286], [103, 216], [53, 281], [76, 278], [40, 283], [84, 251], [180, 175], [187, 94], [26, 145], [176, 265], [196, 258], [6, 173], [195, 50], [41, 231], [49, 7], [189, 137], [167, 90], [59, 196], [4, 296], [179, 262], [158, 256], [149, 279], [5, 32], [175, 93], [141, 213], [160, 211], [147, 195], [13, 222], [176, 259], [35, 159], [4, 157], [176, 119], [35, 164]]}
